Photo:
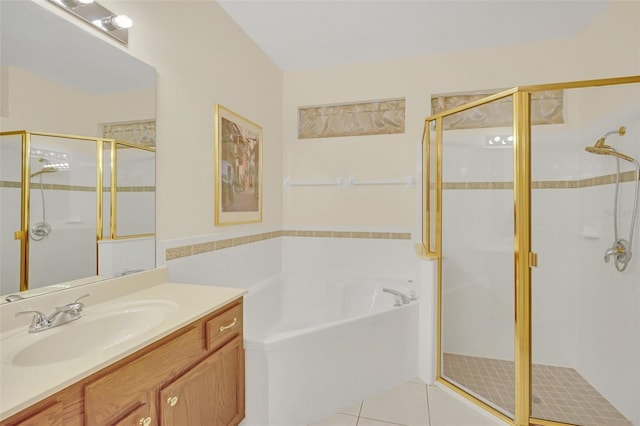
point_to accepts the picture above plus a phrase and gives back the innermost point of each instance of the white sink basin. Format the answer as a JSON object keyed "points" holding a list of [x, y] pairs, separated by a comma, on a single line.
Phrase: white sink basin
{"points": [[98, 329]]}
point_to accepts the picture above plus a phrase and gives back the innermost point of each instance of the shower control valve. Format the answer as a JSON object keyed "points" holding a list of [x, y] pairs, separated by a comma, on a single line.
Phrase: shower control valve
{"points": [[621, 250]]}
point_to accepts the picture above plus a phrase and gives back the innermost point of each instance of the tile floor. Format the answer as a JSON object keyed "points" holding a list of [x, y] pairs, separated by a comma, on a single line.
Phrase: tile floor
{"points": [[412, 404], [559, 393]]}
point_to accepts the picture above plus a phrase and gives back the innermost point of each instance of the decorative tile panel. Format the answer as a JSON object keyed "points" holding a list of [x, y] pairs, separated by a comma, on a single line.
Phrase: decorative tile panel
{"points": [[355, 119], [138, 132], [546, 108]]}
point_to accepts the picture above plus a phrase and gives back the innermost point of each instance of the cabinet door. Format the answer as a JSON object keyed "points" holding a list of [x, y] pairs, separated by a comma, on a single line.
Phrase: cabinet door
{"points": [[138, 417], [210, 394]]}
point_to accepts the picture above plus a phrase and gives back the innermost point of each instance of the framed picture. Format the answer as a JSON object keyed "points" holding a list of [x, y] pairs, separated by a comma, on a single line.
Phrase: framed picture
{"points": [[238, 173]]}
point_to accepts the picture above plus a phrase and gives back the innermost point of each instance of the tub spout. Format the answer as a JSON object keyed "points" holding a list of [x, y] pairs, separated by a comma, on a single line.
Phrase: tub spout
{"points": [[399, 296]]}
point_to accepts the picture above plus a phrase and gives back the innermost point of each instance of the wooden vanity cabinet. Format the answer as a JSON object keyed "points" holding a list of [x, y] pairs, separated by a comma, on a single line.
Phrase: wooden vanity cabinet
{"points": [[211, 393], [195, 376]]}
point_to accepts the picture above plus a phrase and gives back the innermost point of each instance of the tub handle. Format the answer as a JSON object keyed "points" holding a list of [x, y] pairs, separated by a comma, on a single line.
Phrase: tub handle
{"points": [[231, 324]]}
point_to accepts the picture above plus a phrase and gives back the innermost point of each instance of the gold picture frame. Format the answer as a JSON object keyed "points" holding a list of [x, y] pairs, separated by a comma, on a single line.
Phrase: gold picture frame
{"points": [[238, 172]]}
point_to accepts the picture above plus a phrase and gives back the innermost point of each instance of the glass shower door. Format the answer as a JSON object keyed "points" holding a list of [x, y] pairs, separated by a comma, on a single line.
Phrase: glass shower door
{"points": [[585, 312], [62, 211], [10, 208], [477, 275]]}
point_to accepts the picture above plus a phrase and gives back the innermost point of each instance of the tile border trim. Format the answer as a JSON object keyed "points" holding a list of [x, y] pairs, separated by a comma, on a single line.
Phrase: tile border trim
{"points": [[81, 188], [208, 246], [545, 184]]}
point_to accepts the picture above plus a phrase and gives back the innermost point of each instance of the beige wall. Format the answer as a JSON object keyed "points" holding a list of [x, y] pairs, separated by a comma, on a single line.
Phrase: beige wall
{"points": [[37, 104], [608, 47], [202, 58]]}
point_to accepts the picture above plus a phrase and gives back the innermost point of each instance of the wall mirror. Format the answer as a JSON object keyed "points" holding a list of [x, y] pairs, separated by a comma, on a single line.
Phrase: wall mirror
{"points": [[58, 78]]}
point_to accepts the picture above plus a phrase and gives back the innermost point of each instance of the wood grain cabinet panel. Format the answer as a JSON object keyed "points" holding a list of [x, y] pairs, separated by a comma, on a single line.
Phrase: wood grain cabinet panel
{"points": [[132, 385], [51, 415], [140, 416], [211, 393]]}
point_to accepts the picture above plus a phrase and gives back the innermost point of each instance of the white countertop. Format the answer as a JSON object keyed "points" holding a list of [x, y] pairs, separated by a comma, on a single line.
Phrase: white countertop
{"points": [[22, 386]]}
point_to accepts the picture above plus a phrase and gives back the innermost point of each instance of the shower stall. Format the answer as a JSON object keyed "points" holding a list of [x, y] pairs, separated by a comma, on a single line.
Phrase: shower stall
{"points": [[64, 201], [530, 200]]}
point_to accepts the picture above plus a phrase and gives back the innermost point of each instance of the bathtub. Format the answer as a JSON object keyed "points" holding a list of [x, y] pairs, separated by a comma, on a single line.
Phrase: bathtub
{"points": [[313, 346]]}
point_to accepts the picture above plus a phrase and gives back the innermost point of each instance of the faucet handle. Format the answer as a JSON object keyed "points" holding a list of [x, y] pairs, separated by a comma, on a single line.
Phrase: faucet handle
{"points": [[74, 308], [38, 321], [81, 297]]}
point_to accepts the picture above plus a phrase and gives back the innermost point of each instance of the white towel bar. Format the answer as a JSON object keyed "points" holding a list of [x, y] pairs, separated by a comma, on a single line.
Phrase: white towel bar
{"points": [[339, 181], [408, 181]]}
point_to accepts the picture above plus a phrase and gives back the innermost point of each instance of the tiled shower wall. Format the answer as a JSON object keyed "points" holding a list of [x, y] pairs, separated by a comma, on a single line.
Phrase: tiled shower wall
{"points": [[245, 260]]}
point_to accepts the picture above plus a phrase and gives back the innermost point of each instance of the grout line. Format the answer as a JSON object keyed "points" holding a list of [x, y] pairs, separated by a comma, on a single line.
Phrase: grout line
{"points": [[381, 421], [426, 390], [359, 412]]}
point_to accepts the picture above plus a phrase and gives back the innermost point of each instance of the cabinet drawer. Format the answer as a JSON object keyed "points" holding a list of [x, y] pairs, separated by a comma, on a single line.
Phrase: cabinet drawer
{"points": [[224, 326], [133, 383]]}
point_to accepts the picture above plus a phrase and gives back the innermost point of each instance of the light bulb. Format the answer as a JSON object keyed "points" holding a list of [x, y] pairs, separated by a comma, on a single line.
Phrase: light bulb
{"points": [[122, 21], [112, 23]]}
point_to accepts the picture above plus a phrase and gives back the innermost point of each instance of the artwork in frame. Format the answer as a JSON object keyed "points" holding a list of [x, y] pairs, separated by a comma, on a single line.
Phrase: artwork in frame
{"points": [[238, 173]]}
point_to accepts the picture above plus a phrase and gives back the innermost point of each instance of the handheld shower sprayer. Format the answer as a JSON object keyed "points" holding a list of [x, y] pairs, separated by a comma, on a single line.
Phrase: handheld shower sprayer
{"points": [[621, 248], [40, 230]]}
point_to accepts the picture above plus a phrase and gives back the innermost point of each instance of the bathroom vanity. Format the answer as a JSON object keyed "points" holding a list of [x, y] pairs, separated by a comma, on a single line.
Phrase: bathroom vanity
{"points": [[193, 374]]}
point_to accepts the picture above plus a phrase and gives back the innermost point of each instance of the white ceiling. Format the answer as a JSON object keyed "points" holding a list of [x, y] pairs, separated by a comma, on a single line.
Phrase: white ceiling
{"points": [[307, 34]]}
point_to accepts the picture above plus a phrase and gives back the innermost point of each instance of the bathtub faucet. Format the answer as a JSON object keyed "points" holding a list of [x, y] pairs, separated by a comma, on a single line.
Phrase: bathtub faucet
{"points": [[399, 296]]}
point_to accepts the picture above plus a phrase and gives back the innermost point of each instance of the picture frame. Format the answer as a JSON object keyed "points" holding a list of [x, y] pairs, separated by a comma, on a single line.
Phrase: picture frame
{"points": [[238, 168]]}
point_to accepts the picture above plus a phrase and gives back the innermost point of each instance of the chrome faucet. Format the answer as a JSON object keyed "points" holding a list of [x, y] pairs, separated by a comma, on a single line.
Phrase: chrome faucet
{"points": [[13, 298], [399, 296], [62, 315]]}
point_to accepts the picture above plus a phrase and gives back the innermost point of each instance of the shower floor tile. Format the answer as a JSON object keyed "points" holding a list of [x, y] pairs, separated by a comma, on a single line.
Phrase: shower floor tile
{"points": [[559, 393]]}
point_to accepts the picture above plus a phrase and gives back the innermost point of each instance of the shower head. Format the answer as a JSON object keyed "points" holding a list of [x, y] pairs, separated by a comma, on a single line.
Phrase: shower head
{"points": [[601, 149], [47, 167], [607, 150]]}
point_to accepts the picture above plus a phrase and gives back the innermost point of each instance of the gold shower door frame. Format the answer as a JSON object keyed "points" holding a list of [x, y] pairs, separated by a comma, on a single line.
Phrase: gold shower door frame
{"points": [[524, 257], [23, 233]]}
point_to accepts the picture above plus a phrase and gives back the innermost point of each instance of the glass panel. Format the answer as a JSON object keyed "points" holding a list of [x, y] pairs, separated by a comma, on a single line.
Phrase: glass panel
{"points": [[477, 337], [62, 223], [585, 313], [106, 194], [433, 189], [10, 193], [135, 192]]}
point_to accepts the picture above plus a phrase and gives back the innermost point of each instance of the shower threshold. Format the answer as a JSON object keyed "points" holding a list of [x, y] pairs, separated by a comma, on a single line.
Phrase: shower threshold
{"points": [[559, 393]]}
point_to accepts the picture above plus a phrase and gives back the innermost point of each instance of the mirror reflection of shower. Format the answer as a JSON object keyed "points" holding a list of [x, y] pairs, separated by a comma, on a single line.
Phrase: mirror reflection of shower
{"points": [[41, 230], [621, 248]]}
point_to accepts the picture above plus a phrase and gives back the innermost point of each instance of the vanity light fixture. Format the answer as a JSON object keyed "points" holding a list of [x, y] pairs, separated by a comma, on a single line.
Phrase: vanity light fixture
{"points": [[503, 141], [113, 24], [72, 4]]}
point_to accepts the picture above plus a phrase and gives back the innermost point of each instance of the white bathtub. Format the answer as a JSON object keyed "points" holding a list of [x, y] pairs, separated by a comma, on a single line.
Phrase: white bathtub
{"points": [[314, 346]]}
